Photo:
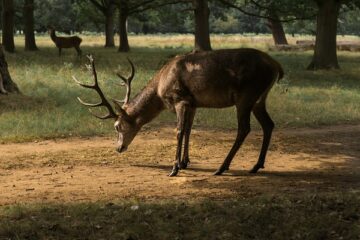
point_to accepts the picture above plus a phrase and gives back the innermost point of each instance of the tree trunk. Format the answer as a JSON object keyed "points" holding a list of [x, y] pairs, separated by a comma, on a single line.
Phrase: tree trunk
{"points": [[277, 29], [124, 43], [8, 25], [28, 13], [202, 33], [109, 26], [325, 56], [6, 83]]}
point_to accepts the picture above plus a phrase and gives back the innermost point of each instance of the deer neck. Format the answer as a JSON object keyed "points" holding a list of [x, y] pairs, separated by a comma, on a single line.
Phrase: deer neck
{"points": [[53, 35], [145, 106]]}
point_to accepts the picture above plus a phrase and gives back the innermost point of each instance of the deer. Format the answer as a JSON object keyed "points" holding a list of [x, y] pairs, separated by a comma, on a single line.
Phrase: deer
{"points": [[213, 79], [65, 42]]}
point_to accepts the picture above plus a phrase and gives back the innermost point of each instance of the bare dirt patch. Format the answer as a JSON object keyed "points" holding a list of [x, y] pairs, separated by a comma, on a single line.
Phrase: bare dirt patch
{"points": [[74, 170]]}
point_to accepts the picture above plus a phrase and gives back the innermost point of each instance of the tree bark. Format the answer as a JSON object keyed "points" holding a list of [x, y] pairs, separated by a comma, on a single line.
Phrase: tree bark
{"points": [[277, 29], [8, 25], [124, 42], [325, 56], [109, 26], [6, 83], [28, 13], [202, 32]]}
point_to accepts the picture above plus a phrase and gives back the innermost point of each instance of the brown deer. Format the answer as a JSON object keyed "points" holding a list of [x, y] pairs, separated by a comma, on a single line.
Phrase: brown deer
{"points": [[65, 42], [215, 79]]}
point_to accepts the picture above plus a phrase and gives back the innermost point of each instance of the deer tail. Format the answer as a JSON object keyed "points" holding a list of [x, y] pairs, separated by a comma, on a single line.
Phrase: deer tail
{"points": [[280, 71]]}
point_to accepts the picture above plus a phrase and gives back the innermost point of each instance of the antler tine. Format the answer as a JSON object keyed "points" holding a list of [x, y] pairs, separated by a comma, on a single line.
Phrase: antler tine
{"points": [[97, 88], [132, 70], [127, 83]]}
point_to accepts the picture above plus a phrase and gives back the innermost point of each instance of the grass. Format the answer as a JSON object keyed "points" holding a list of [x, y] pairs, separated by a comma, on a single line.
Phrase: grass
{"points": [[312, 216], [49, 108]]}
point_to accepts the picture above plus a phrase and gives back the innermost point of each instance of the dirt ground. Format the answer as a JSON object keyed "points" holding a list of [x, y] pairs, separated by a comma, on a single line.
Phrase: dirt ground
{"points": [[74, 170]]}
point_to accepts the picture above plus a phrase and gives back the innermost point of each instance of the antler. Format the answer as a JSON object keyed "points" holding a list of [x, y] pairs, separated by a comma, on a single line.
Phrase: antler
{"points": [[127, 83], [95, 86]]}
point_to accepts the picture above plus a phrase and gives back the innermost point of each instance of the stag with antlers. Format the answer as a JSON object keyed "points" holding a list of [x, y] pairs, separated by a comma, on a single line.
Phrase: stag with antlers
{"points": [[216, 79]]}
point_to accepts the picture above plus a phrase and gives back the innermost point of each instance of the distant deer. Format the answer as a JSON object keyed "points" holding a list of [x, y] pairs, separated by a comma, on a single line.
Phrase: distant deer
{"points": [[65, 42], [215, 79]]}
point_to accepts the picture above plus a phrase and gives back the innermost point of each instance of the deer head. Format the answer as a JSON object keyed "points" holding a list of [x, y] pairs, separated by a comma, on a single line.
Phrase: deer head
{"points": [[50, 28], [124, 125]]}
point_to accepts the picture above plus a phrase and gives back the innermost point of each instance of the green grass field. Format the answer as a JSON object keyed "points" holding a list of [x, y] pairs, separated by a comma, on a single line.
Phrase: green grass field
{"points": [[49, 107]]}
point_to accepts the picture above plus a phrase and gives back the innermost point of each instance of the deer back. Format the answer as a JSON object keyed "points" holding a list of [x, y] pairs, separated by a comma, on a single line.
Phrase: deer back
{"points": [[217, 78]]}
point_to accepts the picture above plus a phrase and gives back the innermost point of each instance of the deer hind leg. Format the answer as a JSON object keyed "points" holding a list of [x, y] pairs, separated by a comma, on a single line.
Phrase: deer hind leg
{"points": [[59, 51], [2, 88], [78, 50], [182, 112], [243, 115], [267, 125], [185, 160]]}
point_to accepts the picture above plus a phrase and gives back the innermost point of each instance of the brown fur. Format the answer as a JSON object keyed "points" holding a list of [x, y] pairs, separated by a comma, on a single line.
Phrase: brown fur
{"points": [[65, 42], [216, 79]]}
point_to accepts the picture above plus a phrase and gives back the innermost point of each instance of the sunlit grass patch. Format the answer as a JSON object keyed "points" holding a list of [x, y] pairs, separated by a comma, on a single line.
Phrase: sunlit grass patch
{"points": [[50, 109]]}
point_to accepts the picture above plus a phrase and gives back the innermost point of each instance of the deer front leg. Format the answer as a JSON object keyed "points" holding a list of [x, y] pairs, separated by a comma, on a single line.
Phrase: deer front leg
{"points": [[182, 112], [59, 51], [185, 160]]}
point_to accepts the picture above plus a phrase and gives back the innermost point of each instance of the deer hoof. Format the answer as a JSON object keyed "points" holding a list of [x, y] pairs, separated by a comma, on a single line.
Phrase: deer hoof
{"points": [[256, 168], [184, 164], [174, 171], [219, 172]]}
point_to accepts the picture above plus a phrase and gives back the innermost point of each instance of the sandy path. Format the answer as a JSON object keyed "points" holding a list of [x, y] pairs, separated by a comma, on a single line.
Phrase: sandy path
{"points": [[73, 170]]}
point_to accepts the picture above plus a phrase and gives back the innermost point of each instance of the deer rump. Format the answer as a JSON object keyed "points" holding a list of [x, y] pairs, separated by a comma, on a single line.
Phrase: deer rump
{"points": [[215, 79]]}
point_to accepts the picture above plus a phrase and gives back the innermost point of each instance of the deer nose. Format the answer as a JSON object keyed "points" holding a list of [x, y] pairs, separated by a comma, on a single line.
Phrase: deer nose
{"points": [[121, 149]]}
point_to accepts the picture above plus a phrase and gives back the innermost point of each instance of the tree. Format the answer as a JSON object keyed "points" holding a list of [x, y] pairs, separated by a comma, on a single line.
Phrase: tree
{"points": [[325, 56], [60, 14], [107, 8], [8, 25], [202, 33], [276, 28], [275, 12], [128, 8], [266, 10], [6, 83], [28, 14], [123, 17]]}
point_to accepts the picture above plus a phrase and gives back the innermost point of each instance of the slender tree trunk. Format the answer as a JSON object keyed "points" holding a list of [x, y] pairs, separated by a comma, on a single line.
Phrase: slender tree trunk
{"points": [[6, 83], [124, 42], [277, 29], [202, 32], [28, 13], [109, 26], [8, 25], [325, 56]]}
